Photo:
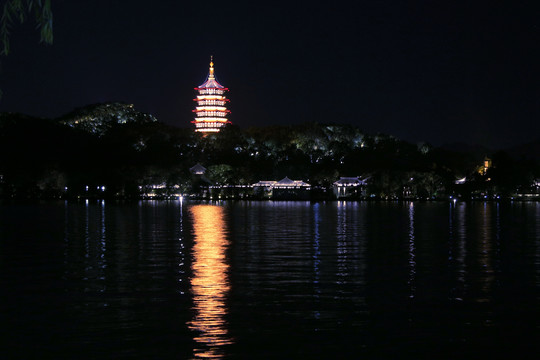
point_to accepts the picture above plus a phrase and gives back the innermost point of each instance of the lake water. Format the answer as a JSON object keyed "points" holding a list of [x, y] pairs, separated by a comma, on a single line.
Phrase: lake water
{"points": [[259, 280]]}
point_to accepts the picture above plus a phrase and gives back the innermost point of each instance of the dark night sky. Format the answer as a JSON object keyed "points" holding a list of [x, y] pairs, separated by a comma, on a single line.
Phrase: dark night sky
{"points": [[436, 71]]}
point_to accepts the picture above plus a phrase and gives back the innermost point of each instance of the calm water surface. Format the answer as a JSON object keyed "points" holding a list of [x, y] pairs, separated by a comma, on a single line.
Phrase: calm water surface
{"points": [[258, 280]]}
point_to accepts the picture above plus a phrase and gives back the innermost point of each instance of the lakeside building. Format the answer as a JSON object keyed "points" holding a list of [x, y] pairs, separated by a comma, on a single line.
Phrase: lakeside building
{"points": [[211, 112], [349, 187], [284, 189], [160, 191]]}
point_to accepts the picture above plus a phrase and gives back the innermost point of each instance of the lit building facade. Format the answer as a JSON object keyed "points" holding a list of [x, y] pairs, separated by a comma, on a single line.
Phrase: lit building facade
{"points": [[211, 111], [284, 189]]}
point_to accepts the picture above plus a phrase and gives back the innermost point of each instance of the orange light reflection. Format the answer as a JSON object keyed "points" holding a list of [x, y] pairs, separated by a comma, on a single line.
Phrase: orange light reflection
{"points": [[210, 283]]}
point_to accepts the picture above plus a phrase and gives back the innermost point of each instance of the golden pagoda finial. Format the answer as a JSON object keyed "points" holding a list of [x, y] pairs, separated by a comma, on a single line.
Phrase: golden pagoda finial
{"points": [[211, 65]]}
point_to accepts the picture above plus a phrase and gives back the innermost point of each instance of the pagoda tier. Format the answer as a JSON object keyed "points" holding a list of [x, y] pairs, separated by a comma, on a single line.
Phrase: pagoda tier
{"points": [[210, 112]]}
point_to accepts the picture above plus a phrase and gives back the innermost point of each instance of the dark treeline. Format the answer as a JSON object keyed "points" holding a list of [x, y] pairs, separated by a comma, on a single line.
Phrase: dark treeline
{"points": [[113, 150]]}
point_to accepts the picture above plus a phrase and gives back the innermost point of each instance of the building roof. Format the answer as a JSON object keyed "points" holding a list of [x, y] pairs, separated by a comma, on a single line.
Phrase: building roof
{"points": [[350, 181], [198, 169], [286, 182], [211, 81]]}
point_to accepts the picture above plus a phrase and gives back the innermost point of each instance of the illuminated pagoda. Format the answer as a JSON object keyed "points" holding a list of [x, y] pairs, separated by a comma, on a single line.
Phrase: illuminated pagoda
{"points": [[210, 113]]}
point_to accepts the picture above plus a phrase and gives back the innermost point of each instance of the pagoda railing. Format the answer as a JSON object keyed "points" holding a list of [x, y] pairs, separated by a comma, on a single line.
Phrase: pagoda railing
{"points": [[211, 91]]}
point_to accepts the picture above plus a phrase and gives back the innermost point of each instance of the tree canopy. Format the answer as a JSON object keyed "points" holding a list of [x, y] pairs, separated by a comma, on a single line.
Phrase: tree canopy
{"points": [[115, 146], [18, 11]]}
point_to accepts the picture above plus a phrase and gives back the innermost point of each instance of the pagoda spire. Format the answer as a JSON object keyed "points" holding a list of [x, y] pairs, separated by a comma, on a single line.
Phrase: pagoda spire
{"points": [[211, 72]]}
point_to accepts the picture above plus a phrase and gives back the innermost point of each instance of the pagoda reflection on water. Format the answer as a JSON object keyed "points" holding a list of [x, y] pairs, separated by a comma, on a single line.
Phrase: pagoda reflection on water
{"points": [[211, 112]]}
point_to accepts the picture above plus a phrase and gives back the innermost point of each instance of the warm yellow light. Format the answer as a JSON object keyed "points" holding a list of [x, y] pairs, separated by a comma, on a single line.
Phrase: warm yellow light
{"points": [[211, 108], [210, 282], [210, 97], [211, 119]]}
